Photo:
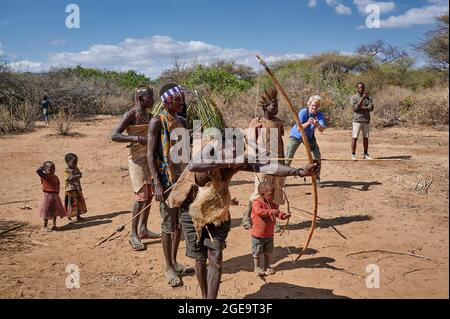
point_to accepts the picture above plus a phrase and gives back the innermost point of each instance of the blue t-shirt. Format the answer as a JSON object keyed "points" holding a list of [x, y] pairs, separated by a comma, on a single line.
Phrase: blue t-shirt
{"points": [[304, 116]]}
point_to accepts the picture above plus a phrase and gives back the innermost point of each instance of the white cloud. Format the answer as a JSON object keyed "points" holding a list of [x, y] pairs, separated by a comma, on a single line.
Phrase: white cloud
{"points": [[385, 7], [153, 55], [438, 2], [312, 3], [348, 53], [342, 9], [28, 66], [339, 7], [415, 16]]}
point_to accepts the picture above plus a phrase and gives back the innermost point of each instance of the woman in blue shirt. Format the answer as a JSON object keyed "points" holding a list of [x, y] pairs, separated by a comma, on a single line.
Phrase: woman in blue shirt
{"points": [[311, 119]]}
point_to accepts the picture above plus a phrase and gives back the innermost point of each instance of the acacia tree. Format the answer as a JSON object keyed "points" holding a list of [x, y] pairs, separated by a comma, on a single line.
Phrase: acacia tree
{"points": [[383, 53], [435, 45]]}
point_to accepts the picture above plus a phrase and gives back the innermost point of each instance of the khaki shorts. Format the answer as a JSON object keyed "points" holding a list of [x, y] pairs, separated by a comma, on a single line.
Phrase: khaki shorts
{"points": [[357, 127], [277, 181]]}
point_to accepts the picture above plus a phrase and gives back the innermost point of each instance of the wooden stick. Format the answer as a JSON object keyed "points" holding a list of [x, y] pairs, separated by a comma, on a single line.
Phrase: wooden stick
{"points": [[122, 227], [429, 184], [210, 237], [387, 252], [18, 201], [333, 159], [125, 235], [34, 241], [8, 230]]}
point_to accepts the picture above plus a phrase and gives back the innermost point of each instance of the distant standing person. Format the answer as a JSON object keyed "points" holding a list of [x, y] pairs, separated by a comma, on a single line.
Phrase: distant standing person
{"points": [[45, 105], [362, 105], [311, 120]]}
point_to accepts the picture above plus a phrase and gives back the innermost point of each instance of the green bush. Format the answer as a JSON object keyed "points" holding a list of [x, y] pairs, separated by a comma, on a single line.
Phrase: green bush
{"points": [[128, 80], [216, 80]]}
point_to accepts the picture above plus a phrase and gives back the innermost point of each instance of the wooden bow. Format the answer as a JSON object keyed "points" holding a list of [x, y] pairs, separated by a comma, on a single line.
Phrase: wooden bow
{"points": [[308, 149]]}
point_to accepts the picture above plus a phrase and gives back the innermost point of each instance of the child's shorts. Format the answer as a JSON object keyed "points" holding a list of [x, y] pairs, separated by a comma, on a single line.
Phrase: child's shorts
{"points": [[262, 246]]}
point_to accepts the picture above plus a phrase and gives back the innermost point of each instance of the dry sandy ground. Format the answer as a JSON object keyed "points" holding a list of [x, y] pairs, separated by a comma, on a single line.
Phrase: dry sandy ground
{"points": [[372, 204]]}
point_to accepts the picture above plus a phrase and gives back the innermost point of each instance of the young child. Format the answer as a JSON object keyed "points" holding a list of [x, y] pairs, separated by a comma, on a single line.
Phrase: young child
{"points": [[74, 203], [264, 214], [51, 206]]}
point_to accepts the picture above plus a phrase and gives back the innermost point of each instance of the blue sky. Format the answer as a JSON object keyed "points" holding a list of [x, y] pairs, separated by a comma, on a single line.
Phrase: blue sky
{"points": [[147, 35]]}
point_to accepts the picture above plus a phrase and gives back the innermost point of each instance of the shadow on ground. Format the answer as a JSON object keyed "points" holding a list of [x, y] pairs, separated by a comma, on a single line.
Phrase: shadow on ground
{"points": [[14, 240], [245, 262], [330, 222], [360, 186], [281, 290]]}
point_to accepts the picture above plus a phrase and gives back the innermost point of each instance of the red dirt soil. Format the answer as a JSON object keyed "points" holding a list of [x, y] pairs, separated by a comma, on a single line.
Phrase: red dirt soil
{"points": [[373, 204]]}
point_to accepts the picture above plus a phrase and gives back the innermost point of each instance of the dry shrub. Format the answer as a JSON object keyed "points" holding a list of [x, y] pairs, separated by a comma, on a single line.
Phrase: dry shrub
{"points": [[115, 104], [62, 123], [240, 109], [400, 106], [17, 120], [392, 104], [431, 107]]}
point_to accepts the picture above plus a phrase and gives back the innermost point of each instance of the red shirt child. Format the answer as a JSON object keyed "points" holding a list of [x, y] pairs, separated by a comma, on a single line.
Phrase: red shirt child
{"points": [[264, 214]]}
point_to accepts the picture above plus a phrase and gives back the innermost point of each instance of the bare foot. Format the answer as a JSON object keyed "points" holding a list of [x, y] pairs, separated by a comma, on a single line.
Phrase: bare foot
{"points": [[182, 269], [260, 272], [270, 271], [172, 278], [136, 244], [145, 233]]}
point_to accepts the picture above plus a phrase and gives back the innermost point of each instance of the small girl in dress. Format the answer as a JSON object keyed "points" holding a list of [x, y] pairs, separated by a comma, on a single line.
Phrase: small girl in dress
{"points": [[74, 203], [51, 206]]}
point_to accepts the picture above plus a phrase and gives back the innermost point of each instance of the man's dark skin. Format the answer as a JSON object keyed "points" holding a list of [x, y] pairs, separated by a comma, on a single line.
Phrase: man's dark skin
{"points": [[209, 279], [270, 111], [137, 116], [170, 242], [364, 95]]}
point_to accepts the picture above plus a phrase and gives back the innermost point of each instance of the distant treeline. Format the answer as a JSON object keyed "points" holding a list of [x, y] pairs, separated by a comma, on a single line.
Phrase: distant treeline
{"points": [[403, 93]]}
